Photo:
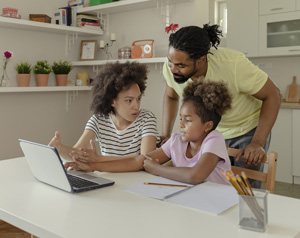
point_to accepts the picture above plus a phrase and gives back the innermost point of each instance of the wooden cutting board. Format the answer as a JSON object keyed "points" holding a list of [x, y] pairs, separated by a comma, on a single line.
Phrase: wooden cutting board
{"points": [[292, 93]]}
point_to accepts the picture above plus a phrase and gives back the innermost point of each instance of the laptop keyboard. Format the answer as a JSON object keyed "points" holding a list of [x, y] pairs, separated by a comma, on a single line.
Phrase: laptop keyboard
{"points": [[79, 182]]}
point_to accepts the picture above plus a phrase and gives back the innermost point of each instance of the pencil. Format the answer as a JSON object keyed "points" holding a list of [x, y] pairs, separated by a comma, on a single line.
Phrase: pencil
{"points": [[243, 174], [169, 185]]}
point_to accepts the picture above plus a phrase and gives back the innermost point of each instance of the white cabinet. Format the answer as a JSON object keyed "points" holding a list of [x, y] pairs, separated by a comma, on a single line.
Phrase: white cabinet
{"points": [[276, 6], [279, 34], [298, 5], [242, 29], [296, 148], [281, 142]]}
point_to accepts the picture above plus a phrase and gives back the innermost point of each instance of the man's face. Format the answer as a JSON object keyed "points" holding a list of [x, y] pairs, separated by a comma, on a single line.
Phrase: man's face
{"points": [[181, 66]]}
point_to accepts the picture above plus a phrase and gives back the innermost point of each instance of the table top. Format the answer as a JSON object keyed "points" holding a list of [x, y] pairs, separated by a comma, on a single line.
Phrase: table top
{"points": [[46, 211]]}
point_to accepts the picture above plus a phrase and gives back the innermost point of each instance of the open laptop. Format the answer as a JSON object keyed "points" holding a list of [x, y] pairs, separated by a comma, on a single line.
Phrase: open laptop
{"points": [[47, 166]]}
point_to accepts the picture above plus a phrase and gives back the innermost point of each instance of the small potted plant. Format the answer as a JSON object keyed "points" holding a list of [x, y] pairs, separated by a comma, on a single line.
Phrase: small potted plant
{"points": [[23, 74], [61, 69], [42, 69]]}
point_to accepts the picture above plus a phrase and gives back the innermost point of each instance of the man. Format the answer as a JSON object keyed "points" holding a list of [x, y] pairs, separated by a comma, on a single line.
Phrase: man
{"points": [[256, 99]]}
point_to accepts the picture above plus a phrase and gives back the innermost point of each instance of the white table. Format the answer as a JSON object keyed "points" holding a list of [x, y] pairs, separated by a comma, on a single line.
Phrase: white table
{"points": [[112, 212]]}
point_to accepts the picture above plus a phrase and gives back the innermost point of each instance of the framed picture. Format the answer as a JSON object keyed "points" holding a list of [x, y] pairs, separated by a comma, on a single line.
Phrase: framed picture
{"points": [[88, 49]]}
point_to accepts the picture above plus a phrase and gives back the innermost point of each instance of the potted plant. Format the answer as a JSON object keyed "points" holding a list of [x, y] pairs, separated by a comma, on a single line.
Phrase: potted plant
{"points": [[23, 74], [42, 70], [61, 69]]}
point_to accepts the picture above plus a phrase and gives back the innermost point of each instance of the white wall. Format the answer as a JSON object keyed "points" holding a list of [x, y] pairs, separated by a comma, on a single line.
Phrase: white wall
{"points": [[35, 116]]}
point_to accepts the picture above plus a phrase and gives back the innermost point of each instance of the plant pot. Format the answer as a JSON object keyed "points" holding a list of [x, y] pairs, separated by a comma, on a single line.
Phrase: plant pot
{"points": [[23, 80], [41, 79], [61, 79]]}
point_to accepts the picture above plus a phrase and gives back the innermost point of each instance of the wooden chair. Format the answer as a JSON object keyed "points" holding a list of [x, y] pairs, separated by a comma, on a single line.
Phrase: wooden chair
{"points": [[266, 177]]}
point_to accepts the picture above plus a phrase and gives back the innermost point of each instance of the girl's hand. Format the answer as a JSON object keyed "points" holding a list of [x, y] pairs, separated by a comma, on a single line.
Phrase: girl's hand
{"points": [[55, 141], [77, 165], [150, 164], [86, 155]]}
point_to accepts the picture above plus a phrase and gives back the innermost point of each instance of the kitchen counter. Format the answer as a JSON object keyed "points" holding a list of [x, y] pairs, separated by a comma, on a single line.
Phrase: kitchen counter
{"points": [[290, 105]]}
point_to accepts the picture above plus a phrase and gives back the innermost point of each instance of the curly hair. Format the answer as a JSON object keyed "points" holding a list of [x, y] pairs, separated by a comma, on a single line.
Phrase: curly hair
{"points": [[211, 99], [111, 80], [196, 41]]}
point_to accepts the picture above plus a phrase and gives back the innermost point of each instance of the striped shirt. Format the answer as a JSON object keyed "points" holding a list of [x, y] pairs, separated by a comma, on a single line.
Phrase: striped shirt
{"points": [[126, 142]]}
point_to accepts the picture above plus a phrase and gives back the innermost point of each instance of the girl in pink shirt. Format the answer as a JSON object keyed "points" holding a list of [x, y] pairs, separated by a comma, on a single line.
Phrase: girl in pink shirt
{"points": [[199, 152]]}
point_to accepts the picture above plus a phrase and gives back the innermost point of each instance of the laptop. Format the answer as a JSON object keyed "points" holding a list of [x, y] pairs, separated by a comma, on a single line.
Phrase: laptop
{"points": [[47, 167]]}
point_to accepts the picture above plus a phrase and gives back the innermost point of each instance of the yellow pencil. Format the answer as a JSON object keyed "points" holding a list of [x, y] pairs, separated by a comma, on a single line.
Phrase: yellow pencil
{"points": [[169, 185], [243, 174]]}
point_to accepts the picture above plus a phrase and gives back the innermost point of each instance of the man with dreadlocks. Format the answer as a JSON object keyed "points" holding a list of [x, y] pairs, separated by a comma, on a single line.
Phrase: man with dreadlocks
{"points": [[194, 54]]}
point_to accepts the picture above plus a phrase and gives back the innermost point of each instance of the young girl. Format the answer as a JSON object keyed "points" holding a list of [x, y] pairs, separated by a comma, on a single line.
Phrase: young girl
{"points": [[122, 129], [199, 152]]}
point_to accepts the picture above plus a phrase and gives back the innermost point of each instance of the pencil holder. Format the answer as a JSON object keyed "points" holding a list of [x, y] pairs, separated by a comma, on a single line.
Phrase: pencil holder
{"points": [[253, 210]]}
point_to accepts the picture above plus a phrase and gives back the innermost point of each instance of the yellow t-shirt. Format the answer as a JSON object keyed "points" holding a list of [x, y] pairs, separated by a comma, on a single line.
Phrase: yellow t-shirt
{"points": [[242, 78]]}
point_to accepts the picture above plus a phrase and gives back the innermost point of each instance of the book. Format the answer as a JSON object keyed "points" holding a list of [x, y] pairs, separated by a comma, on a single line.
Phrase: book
{"points": [[208, 197]]}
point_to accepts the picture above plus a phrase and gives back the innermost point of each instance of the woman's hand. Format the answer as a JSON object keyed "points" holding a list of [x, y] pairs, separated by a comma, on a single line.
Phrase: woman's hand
{"points": [[86, 155], [55, 141], [77, 165]]}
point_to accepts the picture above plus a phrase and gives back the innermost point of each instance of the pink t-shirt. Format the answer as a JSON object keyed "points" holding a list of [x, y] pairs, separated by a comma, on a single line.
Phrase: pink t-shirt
{"points": [[214, 143]]}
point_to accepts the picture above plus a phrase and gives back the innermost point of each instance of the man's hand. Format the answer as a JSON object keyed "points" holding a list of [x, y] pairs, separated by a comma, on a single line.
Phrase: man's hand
{"points": [[252, 154]]}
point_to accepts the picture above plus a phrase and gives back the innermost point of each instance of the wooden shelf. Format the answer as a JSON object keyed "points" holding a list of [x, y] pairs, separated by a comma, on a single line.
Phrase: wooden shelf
{"points": [[46, 27], [102, 62], [126, 6], [44, 89]]}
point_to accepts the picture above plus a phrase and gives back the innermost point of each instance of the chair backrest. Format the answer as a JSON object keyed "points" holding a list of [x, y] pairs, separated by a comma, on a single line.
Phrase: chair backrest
{"points": [[267, 177]]}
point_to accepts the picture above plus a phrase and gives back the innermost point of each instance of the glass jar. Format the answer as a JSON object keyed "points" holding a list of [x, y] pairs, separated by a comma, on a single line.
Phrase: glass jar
{"points": [[124, 53]]}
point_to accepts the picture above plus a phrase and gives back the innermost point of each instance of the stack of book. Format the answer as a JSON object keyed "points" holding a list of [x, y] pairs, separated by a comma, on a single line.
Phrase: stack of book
{"points": [[87, 21]]}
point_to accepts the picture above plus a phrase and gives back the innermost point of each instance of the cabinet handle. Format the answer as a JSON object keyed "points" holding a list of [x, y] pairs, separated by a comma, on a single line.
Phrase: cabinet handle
{"points": [[294, 50], [277, 9]]}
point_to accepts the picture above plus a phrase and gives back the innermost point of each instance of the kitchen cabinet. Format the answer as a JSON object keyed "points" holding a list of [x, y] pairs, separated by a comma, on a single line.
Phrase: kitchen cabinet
{"points": [[242, 19], [296, 148], [285, 141], [276, 6], [298, 5], [279, 34]]}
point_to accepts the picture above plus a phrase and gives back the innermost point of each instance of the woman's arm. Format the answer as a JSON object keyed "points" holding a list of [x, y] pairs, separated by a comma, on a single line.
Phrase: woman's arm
{"points": [[135, 163], [64, 150], [191, 175]]}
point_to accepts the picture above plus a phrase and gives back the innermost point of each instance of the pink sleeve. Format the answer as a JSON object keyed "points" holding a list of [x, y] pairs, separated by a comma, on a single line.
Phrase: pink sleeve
{"points": [[215, 143]]}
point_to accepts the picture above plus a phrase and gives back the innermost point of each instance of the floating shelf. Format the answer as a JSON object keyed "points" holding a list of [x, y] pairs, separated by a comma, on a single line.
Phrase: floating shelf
{"points": [[44, 89], [102, 62], [46, 27], [126, 6]]}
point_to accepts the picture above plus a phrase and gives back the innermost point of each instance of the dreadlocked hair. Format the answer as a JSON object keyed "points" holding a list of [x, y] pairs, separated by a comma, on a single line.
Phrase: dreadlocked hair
{"points": [[211, 99], [196, 41]]}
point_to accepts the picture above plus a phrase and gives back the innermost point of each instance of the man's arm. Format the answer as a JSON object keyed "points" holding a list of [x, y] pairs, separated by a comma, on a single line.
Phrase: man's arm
{"points": [[271, 97], [170, 109]]}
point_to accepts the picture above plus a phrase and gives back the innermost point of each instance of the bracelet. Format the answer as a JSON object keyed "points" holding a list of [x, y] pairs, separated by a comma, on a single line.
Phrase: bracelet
{"points": [[262, 149]]}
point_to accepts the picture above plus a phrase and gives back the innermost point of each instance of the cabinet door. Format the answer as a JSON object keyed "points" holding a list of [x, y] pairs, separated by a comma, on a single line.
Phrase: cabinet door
{"points": [[279, 34], [296, 139], [298, 5], [242, 26], [276, 6], [281, 142]]}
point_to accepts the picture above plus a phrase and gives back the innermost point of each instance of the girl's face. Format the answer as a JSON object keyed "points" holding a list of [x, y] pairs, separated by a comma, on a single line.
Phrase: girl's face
{"points": [[191, 126], [127, 104]]}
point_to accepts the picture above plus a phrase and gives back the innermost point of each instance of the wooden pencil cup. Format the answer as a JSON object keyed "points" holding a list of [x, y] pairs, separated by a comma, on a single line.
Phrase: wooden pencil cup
{"points": [[253, 210]]}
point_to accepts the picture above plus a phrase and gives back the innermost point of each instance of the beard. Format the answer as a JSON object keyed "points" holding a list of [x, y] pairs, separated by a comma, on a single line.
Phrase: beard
{"points": [[182, 78]]}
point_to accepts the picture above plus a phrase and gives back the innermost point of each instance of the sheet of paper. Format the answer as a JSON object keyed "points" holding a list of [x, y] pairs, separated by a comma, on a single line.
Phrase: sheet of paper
{"points": [[156, 191], [209, 197]]}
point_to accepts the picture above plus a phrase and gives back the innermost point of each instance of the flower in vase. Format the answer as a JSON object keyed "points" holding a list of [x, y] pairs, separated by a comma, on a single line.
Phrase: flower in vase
{"points": [[172, 28], [7, 56]]}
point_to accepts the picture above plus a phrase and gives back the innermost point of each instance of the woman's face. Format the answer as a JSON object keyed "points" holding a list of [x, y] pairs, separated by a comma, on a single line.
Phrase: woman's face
{"points": [[127, 104]]}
